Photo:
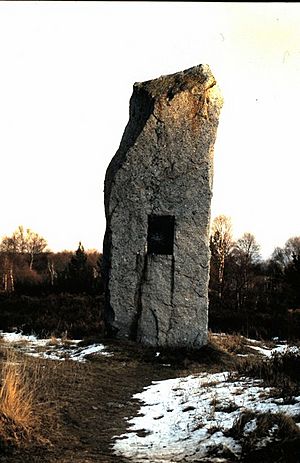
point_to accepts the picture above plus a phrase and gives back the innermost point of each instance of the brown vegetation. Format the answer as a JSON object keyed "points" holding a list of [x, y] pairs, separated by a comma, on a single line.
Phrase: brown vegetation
{"points": [[77, 314], [281, 371], [230, 343], [275, 437], [248, 295], [18, 421], [76, 409]]}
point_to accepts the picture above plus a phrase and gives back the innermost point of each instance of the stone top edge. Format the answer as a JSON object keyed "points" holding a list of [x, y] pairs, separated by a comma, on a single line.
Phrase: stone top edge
{"points": [[198, 77]]}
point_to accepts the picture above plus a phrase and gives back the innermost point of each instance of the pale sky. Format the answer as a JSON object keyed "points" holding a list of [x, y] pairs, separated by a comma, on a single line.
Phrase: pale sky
{"points": [[67, 72]]}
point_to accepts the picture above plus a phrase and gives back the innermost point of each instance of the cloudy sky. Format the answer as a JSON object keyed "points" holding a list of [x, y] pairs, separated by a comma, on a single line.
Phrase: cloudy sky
{"points": [[67, 71]]}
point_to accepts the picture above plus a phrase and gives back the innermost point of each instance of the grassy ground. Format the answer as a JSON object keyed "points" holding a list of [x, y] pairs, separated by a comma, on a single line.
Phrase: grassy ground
{"points": [[77, 408]]}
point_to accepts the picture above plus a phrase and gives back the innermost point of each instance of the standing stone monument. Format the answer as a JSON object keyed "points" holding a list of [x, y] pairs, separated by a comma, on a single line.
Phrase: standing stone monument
{"points": [[158, 190]]}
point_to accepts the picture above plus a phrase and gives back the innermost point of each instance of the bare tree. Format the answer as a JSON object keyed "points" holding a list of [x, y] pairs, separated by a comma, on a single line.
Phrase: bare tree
{"points": [[9, 248], [246, 255], [284, 256], [221, 243], [34, 244], [246, 249], [52, 271], [24, 242], [7, 274], [15, 243]]}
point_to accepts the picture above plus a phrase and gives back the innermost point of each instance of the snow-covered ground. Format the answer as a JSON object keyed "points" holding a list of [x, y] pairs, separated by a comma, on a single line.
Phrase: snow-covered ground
{"points": [[187, 418], [52, 349], [182, 419], [258, 346], [278, 349]]}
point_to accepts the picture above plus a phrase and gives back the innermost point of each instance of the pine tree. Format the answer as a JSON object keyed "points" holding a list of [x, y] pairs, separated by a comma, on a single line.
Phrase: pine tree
{"points": [[79, 271]]}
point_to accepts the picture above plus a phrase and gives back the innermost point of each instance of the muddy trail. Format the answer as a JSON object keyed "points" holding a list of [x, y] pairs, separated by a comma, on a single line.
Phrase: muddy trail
{"points": [[81, 406]]}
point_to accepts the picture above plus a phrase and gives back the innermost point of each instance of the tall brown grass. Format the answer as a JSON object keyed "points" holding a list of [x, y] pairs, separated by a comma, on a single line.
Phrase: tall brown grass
{"points": [[281, 371], [17, 417], [230, 343]]}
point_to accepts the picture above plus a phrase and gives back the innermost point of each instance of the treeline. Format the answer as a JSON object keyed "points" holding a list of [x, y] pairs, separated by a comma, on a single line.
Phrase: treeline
{"points": [[248, 294], [27, 267], [49, 293]]}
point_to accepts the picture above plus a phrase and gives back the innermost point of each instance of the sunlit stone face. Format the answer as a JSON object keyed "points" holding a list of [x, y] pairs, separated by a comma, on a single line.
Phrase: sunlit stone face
{"points": [[158, 191]]}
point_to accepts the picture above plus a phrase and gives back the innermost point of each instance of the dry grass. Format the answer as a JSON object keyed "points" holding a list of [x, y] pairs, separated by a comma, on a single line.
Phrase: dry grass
{"points": [[35, 407], [17, 417], [63, 341], [265, 441], [54, 341], [230, 343], [281, 371]]}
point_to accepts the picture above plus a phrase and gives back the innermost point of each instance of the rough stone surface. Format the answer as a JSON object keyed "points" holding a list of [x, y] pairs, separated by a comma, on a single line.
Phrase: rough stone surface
{"points": [[163, 167]]}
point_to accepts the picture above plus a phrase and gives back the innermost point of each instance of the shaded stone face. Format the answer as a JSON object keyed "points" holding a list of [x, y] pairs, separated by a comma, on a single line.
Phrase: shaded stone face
{"points": [[158, 190]]}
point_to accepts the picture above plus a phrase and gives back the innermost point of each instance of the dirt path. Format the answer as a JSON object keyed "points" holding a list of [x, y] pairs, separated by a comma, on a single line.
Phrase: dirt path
{"points": [[82, 406]]}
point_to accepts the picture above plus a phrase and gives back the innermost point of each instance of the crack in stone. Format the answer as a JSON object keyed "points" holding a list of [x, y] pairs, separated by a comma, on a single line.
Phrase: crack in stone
{"points": [[199, 294], [157, 118], [113, 210], [163, 166], [141, 269], [156, 325], [172, 279]]}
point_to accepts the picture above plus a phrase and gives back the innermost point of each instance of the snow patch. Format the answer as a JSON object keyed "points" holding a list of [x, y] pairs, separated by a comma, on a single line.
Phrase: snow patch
{"points": [[21, 338], [280, 349], [58, 350], [187, 418], [250, 426]]}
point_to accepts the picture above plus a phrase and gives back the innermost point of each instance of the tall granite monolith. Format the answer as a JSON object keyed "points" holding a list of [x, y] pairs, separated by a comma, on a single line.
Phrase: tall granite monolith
{"points": [[158, 190]]}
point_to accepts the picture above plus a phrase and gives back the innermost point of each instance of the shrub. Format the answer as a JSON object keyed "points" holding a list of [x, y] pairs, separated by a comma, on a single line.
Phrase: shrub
{"points": [[281, 371], [267, 437], [231, 343]]}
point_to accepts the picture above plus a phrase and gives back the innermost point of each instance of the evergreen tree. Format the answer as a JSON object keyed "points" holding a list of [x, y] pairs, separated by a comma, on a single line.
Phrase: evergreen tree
{"points": [[79, 272]]}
